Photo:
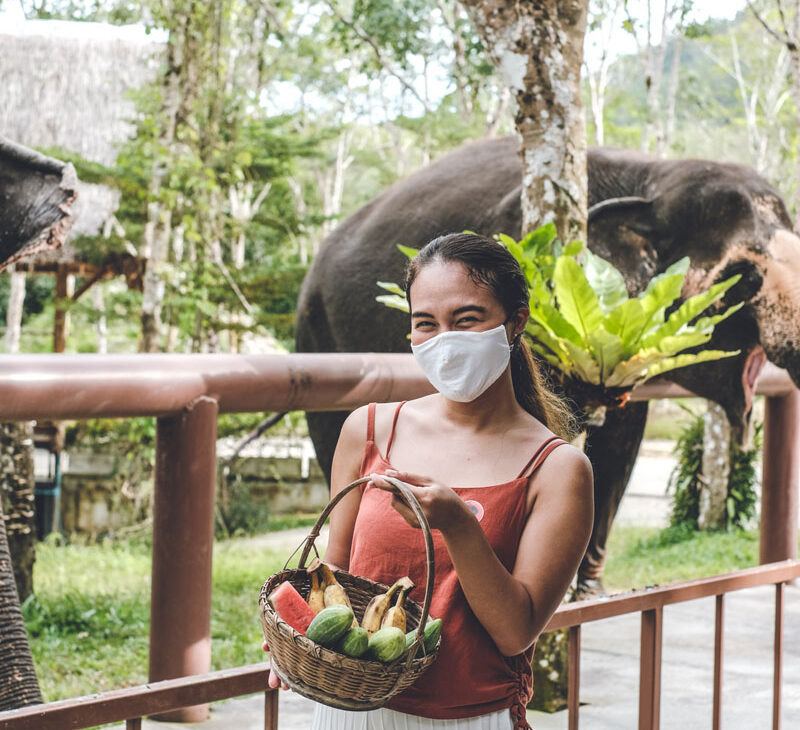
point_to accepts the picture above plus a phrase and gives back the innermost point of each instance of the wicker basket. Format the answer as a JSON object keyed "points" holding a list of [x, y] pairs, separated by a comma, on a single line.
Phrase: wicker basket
{"points": [[324, 675]]}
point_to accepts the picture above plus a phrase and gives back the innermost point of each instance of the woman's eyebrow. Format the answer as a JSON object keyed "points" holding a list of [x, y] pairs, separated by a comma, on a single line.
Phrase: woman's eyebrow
{"points": [[460, 310]]}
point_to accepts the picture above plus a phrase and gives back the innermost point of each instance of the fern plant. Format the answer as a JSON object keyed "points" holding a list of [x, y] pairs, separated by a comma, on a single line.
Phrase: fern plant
{"points": [[587, 327]]}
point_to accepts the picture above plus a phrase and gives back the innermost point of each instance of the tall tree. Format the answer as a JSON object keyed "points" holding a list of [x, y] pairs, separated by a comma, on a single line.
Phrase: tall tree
{"points": [[662, 28], [538, 49], [786, 31]]}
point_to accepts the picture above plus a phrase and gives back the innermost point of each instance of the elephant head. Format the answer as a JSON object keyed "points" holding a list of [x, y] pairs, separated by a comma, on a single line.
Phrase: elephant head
{"points": [[36, 193], [645, 214]]}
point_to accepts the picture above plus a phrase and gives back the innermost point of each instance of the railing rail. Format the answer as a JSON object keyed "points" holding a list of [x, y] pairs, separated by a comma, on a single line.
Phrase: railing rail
{"points": [[130, 704], [187, 392]]}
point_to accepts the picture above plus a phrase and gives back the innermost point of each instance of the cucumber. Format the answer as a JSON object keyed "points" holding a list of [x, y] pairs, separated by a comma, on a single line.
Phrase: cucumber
{"points": [[330, 624], [433, 630], [386, 644], [354, 643]]}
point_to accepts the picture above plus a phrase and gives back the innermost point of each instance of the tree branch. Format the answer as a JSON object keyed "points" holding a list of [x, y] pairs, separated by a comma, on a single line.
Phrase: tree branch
{"points": [[785, 40], [372, 43]]}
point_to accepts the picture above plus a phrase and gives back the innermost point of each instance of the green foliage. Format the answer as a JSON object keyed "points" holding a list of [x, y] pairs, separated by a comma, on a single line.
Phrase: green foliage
{"points": [[90, 614], [644, 556], [685, 483]]}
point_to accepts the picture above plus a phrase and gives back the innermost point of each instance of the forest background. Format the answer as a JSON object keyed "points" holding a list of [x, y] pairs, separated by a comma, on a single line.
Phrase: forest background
{"points": [[268, 122]]}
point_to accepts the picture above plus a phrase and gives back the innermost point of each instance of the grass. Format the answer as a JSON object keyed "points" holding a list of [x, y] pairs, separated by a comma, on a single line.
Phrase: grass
{"points": [[90, 617], [89, 620]]}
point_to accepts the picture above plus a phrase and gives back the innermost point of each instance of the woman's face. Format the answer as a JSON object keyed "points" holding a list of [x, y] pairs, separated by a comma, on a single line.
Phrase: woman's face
{"points": [[444, 298]]}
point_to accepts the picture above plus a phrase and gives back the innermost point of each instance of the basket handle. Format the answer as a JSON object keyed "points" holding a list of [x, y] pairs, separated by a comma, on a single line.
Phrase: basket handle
{"points": [[411, 501]]}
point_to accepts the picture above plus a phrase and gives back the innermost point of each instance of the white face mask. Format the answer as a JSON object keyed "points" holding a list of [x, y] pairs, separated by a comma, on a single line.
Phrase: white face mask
{"points": [[462, 365]]}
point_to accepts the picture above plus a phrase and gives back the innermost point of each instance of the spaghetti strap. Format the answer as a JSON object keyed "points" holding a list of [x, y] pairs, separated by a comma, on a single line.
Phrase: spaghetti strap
{"points": [[394, 424], [371, 422], [541, 454]]}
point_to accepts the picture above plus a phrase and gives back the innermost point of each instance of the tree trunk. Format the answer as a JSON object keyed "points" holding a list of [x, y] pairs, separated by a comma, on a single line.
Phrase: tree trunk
{"points": [[716, 469], [538, 49], [16, 300], [99, 304], [18, 684]]}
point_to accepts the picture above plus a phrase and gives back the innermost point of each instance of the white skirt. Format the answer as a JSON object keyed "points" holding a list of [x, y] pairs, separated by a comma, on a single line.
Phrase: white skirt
{"points": [[329, 718]]}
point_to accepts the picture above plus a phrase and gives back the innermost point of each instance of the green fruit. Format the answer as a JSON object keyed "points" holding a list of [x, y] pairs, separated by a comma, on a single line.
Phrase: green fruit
{"points": [[387, 644], [433, 630], [354, 643], [330, 624]]}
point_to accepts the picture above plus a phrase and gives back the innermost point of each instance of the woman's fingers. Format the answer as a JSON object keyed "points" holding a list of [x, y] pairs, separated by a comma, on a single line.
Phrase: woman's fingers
{"points": [[273, 680], [406, 476]]}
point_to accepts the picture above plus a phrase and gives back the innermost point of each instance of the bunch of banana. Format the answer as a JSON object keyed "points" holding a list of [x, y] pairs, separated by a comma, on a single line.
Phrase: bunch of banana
{"points": [[379, 606], [396, 615], [328, 592]]}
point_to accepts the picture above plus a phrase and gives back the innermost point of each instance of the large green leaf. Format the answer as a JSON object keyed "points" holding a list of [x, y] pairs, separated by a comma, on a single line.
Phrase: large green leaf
{"points": [[391, 287], [550, 318], [586, 367], [626, 320], [576, 298], [606, 281], [606, 349], [690, 309], [407, 250], [681, 361], [540, 241], [555, 343], [673, 344], [393, 301], [629, 372]]}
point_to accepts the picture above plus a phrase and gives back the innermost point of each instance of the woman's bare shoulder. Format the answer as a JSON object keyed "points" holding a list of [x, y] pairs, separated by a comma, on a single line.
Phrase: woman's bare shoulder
{"points": [[566, 465]]}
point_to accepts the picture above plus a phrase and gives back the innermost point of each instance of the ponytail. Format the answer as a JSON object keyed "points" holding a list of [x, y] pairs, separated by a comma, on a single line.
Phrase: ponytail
{"points": [[533, 394]]}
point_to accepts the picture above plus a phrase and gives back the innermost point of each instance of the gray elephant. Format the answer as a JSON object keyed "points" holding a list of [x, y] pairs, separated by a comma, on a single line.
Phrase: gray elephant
{"points": [[644, 215]]}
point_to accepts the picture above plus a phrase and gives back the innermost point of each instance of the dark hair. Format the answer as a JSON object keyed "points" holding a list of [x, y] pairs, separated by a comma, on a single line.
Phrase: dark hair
{"points": [[490, 264]]}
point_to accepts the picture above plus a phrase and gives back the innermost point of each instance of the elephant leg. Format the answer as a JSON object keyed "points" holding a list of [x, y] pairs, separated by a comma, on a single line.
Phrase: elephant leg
{"points": [[324, 429], [612, 449]]}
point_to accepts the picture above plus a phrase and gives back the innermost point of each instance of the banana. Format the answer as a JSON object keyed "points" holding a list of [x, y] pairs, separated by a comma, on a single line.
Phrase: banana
{"points": [[316, 594], [334, 593], [378, 606], [396, 615]]}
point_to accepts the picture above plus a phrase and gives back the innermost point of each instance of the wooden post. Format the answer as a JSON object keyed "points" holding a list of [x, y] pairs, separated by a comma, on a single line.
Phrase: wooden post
{"points": [[60, 319], [781, 472], [183, 537]]}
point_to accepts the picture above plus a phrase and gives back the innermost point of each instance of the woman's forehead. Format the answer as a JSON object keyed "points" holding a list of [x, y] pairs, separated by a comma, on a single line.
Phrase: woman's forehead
{"points": [[448, 283]]}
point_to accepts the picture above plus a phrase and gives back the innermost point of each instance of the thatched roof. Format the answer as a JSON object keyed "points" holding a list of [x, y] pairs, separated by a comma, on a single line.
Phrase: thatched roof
{"points": [[67, 84]]}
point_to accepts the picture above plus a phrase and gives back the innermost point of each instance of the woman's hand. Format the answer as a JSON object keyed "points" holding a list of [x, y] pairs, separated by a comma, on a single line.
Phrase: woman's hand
{"points": [[443, 508], [274, 680]]}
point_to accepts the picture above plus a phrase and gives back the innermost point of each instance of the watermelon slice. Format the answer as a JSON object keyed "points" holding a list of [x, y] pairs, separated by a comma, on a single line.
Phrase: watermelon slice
{"points": [[291, 607]]}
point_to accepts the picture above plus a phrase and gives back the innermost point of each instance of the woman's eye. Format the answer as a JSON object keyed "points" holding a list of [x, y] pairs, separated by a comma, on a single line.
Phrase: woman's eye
{"points": [[467, 320], [422, 325]]}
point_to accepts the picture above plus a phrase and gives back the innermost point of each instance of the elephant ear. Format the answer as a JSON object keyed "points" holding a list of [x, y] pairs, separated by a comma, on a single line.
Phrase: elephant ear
{"points": [[626, 232]]}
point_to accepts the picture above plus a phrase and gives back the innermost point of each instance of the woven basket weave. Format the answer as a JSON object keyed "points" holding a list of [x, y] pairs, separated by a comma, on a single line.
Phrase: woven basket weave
{"points": [[324, 675]]}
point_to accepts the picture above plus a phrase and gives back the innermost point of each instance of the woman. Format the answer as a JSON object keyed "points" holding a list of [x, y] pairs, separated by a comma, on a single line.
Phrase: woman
{"points": [[506, 553]]}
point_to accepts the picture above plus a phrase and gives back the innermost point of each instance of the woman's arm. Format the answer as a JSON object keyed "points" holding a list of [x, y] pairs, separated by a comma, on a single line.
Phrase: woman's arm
{"points": [[514, 607], [345, 469]]}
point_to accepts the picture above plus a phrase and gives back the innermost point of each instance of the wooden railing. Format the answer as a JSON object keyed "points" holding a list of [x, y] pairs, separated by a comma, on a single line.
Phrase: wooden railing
{"points": [[187, 392], [131, 704]]}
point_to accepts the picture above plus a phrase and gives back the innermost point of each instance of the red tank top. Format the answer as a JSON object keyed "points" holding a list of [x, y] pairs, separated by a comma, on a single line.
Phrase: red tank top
{"points": [[470, 677]]}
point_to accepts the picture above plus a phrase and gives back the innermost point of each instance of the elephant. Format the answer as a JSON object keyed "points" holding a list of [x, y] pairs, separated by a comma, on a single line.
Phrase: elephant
{"points": [[644, 214], [36, 193]]}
